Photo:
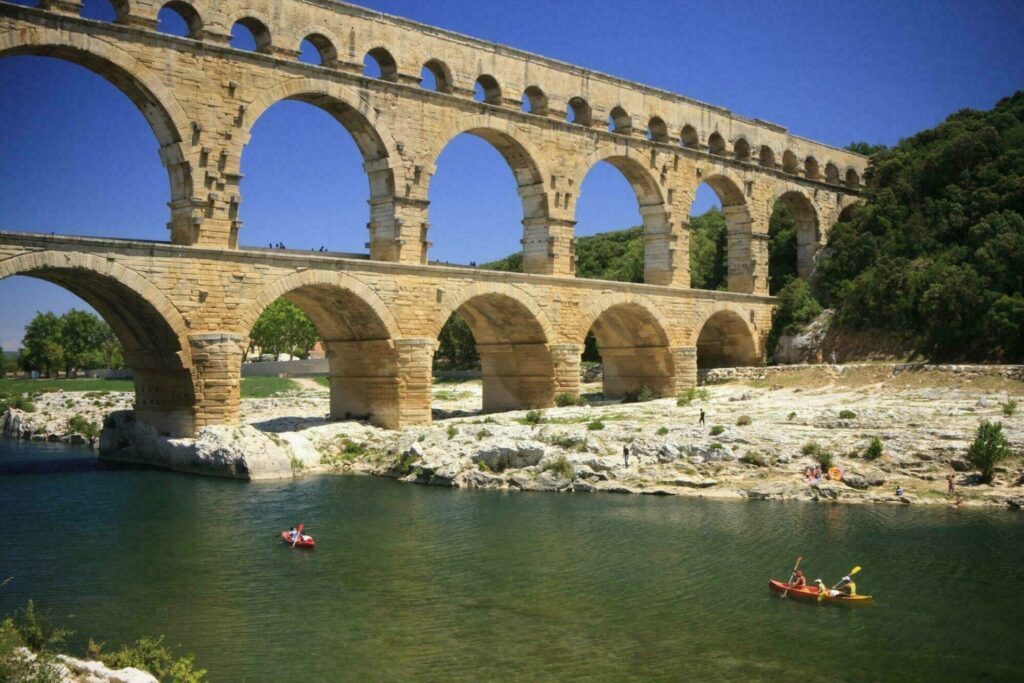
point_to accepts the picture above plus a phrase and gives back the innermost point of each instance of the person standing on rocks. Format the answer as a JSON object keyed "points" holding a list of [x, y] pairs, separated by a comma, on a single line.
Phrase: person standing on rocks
{"points": [[950, 485], [701, 420], [625, 453]]}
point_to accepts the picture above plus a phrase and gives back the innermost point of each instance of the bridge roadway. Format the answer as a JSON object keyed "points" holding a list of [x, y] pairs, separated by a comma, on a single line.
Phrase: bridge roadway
{"points": [[183, 314]]}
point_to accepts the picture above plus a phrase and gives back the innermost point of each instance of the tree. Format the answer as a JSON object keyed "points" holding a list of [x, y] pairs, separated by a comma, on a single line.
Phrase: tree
{"points": [[708, 263], [456, 346], [990, 447], [41, 346], [796, 307], [81, 335], [283, 328], [782, 247], [865, 148]]}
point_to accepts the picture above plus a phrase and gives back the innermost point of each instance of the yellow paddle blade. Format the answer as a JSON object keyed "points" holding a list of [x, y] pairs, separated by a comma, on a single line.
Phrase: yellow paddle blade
{"points": [[854, 571]]}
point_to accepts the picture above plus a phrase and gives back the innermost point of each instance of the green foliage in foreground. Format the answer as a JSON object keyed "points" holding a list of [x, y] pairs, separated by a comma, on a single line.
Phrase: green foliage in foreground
{"points": [[936, 254], [796, 307], [989, 448], [265, 387]]}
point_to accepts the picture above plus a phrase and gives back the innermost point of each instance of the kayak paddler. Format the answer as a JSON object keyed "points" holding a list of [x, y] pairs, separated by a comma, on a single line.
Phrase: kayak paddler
{"points": [[847, 586], [799, 580]]}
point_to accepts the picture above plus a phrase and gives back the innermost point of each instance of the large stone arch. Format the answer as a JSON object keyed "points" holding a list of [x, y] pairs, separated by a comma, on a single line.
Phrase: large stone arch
{"points": [[747, 251], [654, 211], [634, 342], [358, 332], [724, 337], [512, 335], [808, 225], [524, 160], [156, 102], [381, 158], [152, 332]]}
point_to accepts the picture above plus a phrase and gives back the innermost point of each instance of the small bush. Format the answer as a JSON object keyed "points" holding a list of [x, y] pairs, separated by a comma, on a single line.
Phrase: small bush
{"points": [[567, 399], [874, 449], [811, 448], [743, 421], [990, 447], [1009, 408], [81, 425], [568, 442], [692, 394], [824, 459], [662, 431], [847, 415], [352, 449], [533, 417], [756, 459], [792, 416], [149, 654], [716, 446], [717, 429], [452, 432], [595, 425], [482, 434], [561, 467]]}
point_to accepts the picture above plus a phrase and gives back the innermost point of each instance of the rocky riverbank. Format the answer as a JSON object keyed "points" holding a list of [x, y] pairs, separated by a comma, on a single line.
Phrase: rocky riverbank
{"points": [[754, 444]]}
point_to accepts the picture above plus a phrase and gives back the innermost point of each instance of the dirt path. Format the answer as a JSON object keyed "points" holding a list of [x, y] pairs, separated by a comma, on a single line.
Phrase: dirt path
{"points": [[308, 384]]}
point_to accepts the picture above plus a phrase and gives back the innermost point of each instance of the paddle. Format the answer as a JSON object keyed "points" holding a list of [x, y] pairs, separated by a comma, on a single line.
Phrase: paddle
{"points": [[821, 594], [792, 574], [299, 535]]}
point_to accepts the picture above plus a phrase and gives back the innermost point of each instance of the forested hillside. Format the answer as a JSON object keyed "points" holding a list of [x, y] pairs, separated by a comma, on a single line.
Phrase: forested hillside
{"points": [[936, 254]]}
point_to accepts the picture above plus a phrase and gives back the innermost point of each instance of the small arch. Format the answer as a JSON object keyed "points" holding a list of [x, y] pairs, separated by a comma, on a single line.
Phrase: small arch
{"points": [[322, 49], [852, 178], [437, 71], [846, 215], [811, 168], [790, 164], [632, 343], [579, 112], [741, 149], [378, 63], [535, 101], [766, 157], [181, 15], [104, 10], [620, 122], [831, 173], [657, 131], [689, 137], [725, 340], [251, 29], [716, 144], [487, 90]]}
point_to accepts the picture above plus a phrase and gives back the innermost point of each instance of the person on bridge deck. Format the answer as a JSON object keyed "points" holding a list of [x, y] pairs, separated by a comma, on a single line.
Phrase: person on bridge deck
{"points": [[799, 580], [847, 586]]}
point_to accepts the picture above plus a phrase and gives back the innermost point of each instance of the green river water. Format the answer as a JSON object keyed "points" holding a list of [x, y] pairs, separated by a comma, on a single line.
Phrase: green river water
{"points": [[413, 581]]}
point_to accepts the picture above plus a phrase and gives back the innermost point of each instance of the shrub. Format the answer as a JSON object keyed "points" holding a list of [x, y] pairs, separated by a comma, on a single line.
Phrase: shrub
{"points": [[81, 425], [642, 396], [874, 449], [1009, 408], [561, 467], [824, 459], [149, 654], [716, 446], [662, 431], [692, 394], [792, 416], [743, 421], [595, 425], [756, 459], [717, 429], [568, 442], [482, 434], [847, 415], [533, 417], [989, 448], [452, 432], [567, 399]]}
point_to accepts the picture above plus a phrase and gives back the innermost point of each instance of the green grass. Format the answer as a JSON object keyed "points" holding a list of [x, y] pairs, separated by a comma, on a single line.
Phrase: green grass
{"points": [[31, 386], [323, 381], [265, 387]]}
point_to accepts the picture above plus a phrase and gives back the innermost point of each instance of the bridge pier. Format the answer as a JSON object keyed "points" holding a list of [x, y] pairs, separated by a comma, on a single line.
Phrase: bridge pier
{"points": [[216, 376], [516, 376], [566, 359]]}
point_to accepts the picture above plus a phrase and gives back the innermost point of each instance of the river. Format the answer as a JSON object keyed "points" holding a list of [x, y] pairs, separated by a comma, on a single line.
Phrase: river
{"points": [[450, 584]]}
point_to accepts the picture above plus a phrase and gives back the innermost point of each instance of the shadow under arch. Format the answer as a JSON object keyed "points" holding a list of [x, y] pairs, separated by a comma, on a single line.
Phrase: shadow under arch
{"points": [[634, 345], [524, 161], [634, 167], [151, 97], [370, 133], [808, 230], [740, 247], [152, 332], [512, 334], [724, 339], [358, 332]]}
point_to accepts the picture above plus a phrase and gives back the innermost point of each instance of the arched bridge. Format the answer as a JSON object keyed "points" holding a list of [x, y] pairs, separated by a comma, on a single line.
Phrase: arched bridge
{"points": [[183, 308]]}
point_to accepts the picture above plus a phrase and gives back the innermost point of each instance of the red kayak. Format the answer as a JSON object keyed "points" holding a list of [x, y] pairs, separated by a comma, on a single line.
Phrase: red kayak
{"points": [[305, 540], [810, 594]]}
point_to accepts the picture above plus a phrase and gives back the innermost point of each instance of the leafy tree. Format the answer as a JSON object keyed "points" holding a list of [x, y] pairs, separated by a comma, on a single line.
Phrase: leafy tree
{"points": [[865, 148], [456, 346], [81, 335], [989, 448], [283, 327], [782, 247], [708, 262], [41, 346], [797, 307]]}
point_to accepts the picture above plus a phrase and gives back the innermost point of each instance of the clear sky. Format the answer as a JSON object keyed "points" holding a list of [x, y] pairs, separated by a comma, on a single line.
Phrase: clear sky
{"points": [[76, 157]]}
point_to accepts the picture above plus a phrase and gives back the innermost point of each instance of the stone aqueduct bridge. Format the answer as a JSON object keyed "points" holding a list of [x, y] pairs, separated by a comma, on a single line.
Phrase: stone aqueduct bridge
{"points": [[183, 309]]}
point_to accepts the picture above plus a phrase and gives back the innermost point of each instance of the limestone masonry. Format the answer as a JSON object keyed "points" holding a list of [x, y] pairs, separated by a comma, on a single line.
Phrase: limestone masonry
{"points": [[183, 309]]}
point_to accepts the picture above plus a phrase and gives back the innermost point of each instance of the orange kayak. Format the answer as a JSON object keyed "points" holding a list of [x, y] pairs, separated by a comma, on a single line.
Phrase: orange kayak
{"points": [[304, 540], [810, 594]]}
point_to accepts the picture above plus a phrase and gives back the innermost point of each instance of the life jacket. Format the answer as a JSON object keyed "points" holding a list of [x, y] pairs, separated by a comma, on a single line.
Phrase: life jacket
{"points": [[850, 588]]}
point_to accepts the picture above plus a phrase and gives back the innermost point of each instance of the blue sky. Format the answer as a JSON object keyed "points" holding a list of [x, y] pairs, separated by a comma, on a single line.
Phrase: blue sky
{"points": [[77, 158]]}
